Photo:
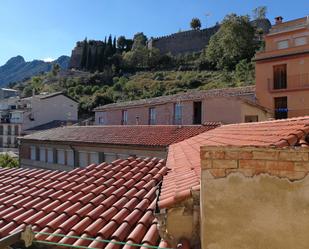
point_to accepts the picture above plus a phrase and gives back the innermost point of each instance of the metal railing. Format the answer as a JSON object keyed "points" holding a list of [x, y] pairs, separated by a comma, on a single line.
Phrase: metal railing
{"points": [[293, 82]]}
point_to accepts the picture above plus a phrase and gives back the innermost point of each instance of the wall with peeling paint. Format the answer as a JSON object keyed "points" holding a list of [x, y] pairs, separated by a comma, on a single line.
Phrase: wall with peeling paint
{"points": [[251, 208]]}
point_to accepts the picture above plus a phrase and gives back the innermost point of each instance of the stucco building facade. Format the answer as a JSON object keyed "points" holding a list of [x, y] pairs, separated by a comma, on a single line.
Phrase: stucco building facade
{"points": [[20, 115], [282, 78], [232, 105]]}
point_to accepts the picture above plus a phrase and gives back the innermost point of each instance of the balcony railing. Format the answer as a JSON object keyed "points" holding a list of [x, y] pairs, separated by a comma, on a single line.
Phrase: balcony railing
{"points": [[293, 82]]}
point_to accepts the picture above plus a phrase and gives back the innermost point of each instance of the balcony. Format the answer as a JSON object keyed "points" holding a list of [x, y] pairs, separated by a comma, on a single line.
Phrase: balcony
{"points": [[293, 83]]}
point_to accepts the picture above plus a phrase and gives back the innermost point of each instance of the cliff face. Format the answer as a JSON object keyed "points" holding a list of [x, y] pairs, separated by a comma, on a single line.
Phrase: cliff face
{"points": [[17, 69], [76, 57]]}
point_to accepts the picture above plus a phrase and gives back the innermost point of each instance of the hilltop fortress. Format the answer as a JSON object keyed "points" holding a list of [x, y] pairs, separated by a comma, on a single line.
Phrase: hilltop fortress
{"points": [[177, 43], [183, 42], [195, 40]]}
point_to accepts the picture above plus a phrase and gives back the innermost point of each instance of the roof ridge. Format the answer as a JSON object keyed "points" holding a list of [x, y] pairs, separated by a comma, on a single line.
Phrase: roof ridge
{"points": [[273, 121]]}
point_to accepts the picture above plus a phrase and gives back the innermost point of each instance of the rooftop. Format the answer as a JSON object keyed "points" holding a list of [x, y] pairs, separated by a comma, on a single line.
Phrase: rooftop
{"points": [[248, 91], [145, 135], [51, 125], [184, 157], [108, 201], [291, 25]]}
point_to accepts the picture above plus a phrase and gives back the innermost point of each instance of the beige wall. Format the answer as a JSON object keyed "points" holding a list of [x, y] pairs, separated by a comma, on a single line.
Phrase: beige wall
{"points": [[253, 198], [108, 153], [49, 109], [221, 109]]}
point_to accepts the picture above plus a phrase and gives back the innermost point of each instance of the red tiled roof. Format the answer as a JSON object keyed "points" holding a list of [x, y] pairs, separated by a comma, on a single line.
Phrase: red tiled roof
{"points": [[184, 157], [107, 201], [244, 92], [147, 135]]}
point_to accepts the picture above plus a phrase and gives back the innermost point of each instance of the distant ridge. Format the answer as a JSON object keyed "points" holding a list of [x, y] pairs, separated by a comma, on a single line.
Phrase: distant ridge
{"points": [[17, 69]]}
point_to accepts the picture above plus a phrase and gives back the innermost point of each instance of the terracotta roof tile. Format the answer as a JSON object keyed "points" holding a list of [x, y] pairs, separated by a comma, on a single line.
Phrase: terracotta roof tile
{"points": [[147, 135], [106, 210], [184, 157]]}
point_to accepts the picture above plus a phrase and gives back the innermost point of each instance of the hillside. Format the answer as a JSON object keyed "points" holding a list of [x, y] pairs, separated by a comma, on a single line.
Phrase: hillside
{"points": [[93, 89], [108, 71], [17, 69]]}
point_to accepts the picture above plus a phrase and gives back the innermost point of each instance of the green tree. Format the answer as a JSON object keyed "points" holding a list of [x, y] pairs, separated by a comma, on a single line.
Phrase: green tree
{"points": [[196, 23], [232, 43], [121, 43], [139, 41], [84, 54], [55, 69], [36, 84], [6, 161], [259, 13], [244, 73]]}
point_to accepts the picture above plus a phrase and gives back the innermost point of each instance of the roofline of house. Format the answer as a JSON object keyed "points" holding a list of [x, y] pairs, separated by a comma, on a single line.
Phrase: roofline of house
{"points": [[280, 56], [91, 144], [56, 94], [128, 104]]}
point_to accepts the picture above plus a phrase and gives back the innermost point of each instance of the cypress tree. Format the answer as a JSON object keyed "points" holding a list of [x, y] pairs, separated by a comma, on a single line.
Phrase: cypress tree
{"points": [[84, 54], [89, 59], [114, 45]]}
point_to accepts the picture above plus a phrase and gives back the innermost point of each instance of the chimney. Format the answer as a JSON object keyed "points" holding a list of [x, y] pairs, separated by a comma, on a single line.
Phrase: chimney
{"points": [[278, 19]]}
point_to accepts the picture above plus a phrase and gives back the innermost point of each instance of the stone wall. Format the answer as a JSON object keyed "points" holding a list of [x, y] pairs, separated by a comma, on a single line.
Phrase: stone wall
{"points": [[254, 198], [77, 52], [195, 40], [183, 42]]}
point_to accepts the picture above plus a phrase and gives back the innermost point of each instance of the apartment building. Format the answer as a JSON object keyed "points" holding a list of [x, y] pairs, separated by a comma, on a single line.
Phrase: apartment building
{"points": [[229, 105], [282, 69], [19, 116]]}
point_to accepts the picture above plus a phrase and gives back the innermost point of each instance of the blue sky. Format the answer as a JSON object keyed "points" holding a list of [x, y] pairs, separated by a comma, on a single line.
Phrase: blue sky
{"points": [[39, 29]]}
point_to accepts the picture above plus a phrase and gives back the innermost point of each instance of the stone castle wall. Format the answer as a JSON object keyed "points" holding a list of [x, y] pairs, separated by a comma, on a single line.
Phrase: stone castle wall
{"points": [[183, 42], [76, 56], [194, 40]]}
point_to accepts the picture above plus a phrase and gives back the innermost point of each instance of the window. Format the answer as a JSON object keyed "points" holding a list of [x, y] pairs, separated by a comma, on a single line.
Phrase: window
{"points": [[83, 159], [283, 44], [42, 154], [101, 120], [124, 120], [16, 130], [299, 41], [281, 107], [94, 157], [60, 156], [9, 130], [50, 155], [177, 113], [280, 76], [197, 112], [251, 118], [152, 116], [70, 157], [32, 153], [1, 129]]}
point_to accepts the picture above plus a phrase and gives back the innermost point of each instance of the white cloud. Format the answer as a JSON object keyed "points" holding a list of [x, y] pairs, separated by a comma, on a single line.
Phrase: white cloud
{"points": [[48, 59]]}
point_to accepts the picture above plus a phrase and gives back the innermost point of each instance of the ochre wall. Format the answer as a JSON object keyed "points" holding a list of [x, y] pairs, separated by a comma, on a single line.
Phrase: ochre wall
{"points": [[298, 101], [254, 198], [297, 60]]}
